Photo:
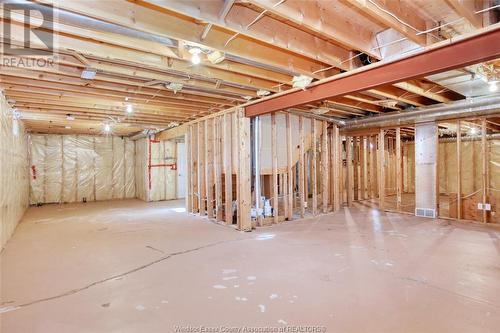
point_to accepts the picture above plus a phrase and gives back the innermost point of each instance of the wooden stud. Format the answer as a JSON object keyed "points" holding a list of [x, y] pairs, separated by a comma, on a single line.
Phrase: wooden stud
{"points": [[301, 168], [284, 190], [368, 175], [307, 172], [349, 172], [244, 194], [399, 173], [388, 162], [188, 171], [459, 170], [331, 157], [228, 170], [274, 147], [195, 167], [436, 169], [342, 179], [313, 176], [484, 172], [209, 166], [337, 167], [325, 181], [362, 168], [235, 135], [373, 167], [289, 158], [258, 177], [381, 170], [355, 183], [201, 169], [189, 147], [218, 169]]}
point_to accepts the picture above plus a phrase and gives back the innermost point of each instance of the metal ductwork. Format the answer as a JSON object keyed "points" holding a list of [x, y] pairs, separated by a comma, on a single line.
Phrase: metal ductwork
{"points": [[333, 120], [494, 136], [472, 107], [144, 134]]}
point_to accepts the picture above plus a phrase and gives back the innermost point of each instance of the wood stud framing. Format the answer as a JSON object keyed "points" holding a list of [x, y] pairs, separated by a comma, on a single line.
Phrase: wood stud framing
{"points": [[228, 168], [349, 172], [302, 180], [244, 172], [399, 172], [336, 168], [459, 170], [209, 155], [274, 147], [314, 172], [284, 43], [484, 173], [325, 179], [209, 166], [374, 166], [381, 169], [324, 169], [289, 154]]}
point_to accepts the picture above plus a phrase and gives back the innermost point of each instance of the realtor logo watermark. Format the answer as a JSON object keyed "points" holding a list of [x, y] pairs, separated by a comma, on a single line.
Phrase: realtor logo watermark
{"points": [[28, 38]]}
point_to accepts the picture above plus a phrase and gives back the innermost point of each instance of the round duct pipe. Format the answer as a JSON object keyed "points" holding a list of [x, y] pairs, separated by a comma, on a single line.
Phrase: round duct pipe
{"points": [[472, 107]]}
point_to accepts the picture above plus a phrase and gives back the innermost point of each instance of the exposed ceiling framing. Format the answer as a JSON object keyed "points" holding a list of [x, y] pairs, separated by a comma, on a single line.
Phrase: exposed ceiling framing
{"points": [[137, 48]]}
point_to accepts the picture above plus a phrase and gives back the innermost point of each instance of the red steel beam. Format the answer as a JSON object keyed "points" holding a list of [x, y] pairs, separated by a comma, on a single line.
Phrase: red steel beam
{"points": [[478, 48]]}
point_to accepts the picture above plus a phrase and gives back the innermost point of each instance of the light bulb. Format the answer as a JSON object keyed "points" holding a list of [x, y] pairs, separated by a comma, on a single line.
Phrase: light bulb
{"points": [[107, 128], [473, 131], [129, 108], [195, 59], [493, 86]]}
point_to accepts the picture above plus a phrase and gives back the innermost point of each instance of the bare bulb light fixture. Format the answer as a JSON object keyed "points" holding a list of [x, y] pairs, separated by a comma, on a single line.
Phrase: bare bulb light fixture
{"points": [[129, 108], [195, 55], [107, 128]]}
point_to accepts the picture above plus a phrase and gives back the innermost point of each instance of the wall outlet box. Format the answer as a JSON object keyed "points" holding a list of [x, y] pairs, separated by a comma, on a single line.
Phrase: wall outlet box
{"points": [[487, 207], [479, 205]]}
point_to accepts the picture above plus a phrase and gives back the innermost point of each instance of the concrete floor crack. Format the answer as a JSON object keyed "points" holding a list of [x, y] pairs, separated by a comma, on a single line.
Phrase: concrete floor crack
{"points": [[116, 276]]}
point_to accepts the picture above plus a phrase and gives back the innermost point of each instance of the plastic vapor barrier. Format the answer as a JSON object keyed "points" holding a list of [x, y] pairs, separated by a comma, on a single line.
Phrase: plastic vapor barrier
{"points": [[141, 169], [77, 168], [14, 187]]}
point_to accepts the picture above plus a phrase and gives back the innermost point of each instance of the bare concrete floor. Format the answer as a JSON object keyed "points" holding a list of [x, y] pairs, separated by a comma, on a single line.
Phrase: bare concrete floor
{"points": [[130, 266]]}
